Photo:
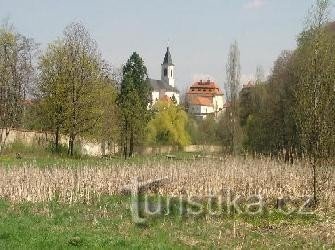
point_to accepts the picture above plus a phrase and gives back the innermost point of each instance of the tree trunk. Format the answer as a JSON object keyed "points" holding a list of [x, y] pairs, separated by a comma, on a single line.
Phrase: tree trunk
{"points": [[125, 149], [71, 145], [125, 145], [286, 156], [314, 182], [3, 140], [291, 156], [131, 143], [57, 140], [125, 140]]}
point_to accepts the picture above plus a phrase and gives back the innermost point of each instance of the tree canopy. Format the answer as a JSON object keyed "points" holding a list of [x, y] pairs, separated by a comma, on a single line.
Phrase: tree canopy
{"points": [[168, 126]]}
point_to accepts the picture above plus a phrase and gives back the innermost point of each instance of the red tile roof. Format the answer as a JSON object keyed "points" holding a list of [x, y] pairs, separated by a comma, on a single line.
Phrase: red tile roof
{"points": [[207, 88], [201, 101]]}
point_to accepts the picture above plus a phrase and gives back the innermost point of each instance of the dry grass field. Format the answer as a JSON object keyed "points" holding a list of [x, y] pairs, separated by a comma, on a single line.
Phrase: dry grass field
{"points": [[60, 203], [193, 177]]}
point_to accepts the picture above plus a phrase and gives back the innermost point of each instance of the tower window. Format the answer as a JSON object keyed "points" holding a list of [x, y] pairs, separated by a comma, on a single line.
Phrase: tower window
{"points": [[165, 72], [171, 74]]}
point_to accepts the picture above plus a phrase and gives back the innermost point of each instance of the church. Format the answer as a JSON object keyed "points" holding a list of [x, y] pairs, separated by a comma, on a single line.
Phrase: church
{"points": [[165, 87]]}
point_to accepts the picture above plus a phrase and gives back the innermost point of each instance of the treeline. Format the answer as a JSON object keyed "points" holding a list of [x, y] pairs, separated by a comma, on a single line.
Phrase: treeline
{"points": [[69, 89], [294, 110], [291, 115]]}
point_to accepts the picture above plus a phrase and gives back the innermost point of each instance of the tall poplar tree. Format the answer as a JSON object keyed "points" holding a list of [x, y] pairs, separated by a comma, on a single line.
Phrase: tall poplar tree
{"points": [[233, 73]]}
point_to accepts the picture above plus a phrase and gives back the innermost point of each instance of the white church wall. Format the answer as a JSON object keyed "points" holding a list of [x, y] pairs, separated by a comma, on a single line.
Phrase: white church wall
{"points": [[155, 97]]}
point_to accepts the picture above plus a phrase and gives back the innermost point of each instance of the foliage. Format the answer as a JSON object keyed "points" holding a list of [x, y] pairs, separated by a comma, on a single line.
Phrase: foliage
{"points": [[16, 75], [107, 129], [294, 113], [168, 125], [133, 102], [266, 112], [204, 132], [231, 133], [315, 91], [71, 82]]}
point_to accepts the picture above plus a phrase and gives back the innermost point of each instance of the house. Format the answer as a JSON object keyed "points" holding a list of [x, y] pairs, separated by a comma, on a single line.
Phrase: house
{"points": [[166, 85], [205, 98]]}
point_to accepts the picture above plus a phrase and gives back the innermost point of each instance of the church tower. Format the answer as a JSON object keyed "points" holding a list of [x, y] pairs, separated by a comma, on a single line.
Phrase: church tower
{"points": [[168, 69]]}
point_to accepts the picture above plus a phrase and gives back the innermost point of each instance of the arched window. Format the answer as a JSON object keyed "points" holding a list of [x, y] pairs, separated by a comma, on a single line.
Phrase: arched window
{"points": [[171, 74], [165, 72]]}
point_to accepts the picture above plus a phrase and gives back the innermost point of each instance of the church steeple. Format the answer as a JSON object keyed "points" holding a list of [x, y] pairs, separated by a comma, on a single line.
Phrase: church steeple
{"points": [[167, 57], [168, 69]]}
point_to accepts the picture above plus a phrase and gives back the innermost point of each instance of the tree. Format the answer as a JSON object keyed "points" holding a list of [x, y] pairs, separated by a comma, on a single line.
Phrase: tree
{"points": [[52, 90], [315, 88], [107, 129], [168, 126], [254, 119], [71, 81], [16, 74], [85, 80], [260, 78], [133, 103], [233, 71], [280, 103]]}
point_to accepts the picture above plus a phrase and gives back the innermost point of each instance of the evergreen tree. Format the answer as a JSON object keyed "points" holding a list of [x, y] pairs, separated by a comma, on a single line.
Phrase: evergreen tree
{"points": [[133, 103]]}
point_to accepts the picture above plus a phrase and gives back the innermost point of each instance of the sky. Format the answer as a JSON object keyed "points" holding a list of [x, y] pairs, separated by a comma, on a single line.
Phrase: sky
{"points": [[199, 32]]}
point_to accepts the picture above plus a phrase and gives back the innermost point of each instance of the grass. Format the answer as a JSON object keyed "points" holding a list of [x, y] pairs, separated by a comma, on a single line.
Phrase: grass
{"points": [[53, 201], [45, 157], [107, 224]]}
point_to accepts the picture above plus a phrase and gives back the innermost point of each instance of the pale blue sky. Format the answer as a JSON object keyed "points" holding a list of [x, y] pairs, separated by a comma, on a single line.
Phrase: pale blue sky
{"points": [[199, 31]]}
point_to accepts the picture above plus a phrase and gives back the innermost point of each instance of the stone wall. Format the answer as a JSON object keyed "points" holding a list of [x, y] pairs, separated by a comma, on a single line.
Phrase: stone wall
{"points": [[9, 136], [92, 148], [203, 148]]}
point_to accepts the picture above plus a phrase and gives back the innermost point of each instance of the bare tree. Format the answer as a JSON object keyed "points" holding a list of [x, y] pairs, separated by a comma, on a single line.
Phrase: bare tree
{"points": [[233, 72], [260, 77]]}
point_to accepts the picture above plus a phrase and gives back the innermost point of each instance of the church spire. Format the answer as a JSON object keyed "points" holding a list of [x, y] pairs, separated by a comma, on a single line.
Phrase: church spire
{"points": [[167, 57], [168, 69]]}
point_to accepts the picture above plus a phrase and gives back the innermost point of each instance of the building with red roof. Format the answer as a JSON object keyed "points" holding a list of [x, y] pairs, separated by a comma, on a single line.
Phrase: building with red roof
{"points": [[205, 98]]}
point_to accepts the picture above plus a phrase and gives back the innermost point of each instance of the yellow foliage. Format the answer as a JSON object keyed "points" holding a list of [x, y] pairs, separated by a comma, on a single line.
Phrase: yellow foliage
{"points": [[168, 126]]}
